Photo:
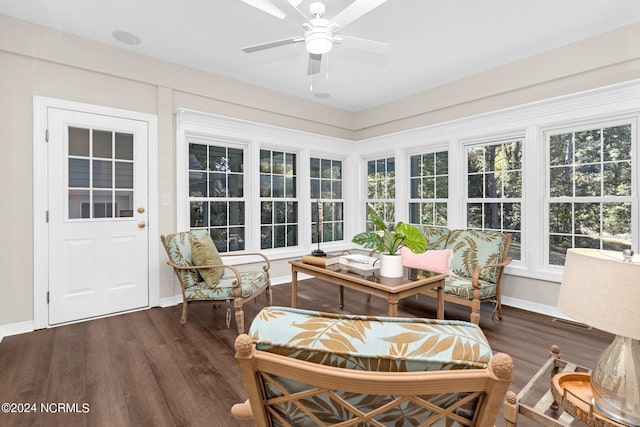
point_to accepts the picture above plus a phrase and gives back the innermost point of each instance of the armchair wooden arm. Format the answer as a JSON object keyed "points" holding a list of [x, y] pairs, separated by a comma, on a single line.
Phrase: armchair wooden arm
{"points": [[478, 270]]}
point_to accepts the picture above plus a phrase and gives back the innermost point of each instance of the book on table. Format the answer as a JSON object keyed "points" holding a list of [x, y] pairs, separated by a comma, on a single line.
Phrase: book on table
{"points": [[321, 261]]}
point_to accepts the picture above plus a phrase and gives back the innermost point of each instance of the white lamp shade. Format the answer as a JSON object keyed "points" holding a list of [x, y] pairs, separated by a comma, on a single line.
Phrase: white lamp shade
{"points": [[601, 290]]}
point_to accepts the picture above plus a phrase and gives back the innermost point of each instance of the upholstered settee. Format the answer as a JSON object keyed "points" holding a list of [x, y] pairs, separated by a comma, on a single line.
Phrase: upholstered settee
{"points": [[476, 266], [305, 368]]}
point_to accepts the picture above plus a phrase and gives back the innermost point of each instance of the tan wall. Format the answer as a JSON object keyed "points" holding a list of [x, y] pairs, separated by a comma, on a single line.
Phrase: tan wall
{"points": [[38, 61], [608, 58]]}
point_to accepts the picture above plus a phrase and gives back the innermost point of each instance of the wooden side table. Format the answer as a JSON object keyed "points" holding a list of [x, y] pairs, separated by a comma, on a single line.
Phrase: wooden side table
{"points": [[556, 396]]}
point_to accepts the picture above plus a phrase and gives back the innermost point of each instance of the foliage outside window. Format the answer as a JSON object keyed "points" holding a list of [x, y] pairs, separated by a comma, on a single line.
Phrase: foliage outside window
{"points": [[381, 189], [429, 182], [216, 194], [494, 190], [590, 190], [278, 202], [326, 192]]}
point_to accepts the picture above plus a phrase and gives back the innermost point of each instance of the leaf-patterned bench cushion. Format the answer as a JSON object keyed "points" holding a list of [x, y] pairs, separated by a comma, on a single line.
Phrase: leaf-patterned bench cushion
{"points": [[366, 343], [387, 344]]}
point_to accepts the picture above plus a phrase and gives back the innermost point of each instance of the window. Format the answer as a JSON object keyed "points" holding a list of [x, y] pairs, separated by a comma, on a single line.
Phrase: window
{"points": [[326, 200], [278, 202], [100, 174], [381, 188], [590, 190], [494, 190], [429, 183], [216, 194]]}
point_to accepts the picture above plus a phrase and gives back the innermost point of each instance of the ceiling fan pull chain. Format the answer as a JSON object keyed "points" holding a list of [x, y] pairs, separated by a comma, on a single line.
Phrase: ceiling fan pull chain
{"points": [[310, 82]]}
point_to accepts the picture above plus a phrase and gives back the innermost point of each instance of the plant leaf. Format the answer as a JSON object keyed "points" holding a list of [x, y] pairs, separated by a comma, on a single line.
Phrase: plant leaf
{"points": [[413, 238], [368, 239], [376, 219]]}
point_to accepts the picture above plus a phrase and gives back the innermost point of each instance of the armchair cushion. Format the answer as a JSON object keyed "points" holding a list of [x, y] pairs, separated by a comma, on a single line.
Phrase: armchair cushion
{"points": [[224, 290], [204, 252], [462, 287]]}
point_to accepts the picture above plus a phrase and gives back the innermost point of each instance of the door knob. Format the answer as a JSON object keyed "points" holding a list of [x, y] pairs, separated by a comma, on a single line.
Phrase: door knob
{"points": [[141, 224], [140, 210]]}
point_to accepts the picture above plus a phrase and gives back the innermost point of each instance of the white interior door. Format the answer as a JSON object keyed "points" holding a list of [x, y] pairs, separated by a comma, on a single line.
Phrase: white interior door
{"points": [[98, 238]]}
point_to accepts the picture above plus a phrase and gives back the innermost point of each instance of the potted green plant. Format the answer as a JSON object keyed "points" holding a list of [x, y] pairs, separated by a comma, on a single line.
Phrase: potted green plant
{"points": [[388, 240]]}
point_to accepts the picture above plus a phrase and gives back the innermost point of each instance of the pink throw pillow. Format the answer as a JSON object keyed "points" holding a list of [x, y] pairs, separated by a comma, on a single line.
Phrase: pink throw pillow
{"points": [[437, 260]]}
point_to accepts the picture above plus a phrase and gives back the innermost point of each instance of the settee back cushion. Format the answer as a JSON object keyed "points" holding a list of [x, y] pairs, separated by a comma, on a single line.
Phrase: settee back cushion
{"points": [[472, 248], [436, 236]]}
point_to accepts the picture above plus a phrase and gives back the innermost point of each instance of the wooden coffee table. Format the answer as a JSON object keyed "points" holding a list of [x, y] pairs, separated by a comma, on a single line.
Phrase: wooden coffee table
{"points": [[413, 282]]}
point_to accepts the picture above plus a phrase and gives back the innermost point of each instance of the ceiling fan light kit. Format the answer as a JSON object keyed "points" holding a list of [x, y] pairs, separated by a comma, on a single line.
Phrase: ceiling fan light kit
{"points": [[320, 34], [318, 41]]}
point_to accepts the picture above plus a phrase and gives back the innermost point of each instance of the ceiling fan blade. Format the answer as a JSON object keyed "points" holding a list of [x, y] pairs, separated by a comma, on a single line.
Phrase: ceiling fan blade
{"points": [[266, 6], [366, 45], [314, 64], [354, 11], [296, 13], [263, 46]]}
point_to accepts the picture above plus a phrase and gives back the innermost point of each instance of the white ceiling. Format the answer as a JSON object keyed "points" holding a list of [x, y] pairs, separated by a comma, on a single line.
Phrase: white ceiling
{"points": [[432, 41]]}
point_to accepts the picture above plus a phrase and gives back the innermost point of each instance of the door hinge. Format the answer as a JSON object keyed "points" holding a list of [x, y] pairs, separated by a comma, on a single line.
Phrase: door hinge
{"points": [[46, 135], [47, 216], [47, 297]]}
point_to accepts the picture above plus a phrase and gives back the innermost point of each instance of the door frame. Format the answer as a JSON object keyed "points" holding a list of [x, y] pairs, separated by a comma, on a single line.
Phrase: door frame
{"points": [[41, 202]]}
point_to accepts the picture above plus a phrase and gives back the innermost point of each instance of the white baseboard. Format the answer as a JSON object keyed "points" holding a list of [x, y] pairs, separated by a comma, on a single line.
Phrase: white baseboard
{"points": [[171, 301], [16, 329], [547, 310]]}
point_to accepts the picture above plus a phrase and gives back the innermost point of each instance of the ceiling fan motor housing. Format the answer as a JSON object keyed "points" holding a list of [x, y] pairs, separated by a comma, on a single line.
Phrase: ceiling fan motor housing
{"points": [[317, 9]]}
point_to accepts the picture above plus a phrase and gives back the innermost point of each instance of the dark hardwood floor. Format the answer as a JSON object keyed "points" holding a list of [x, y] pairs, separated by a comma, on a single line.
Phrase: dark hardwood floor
{"points": [[144, 368]]}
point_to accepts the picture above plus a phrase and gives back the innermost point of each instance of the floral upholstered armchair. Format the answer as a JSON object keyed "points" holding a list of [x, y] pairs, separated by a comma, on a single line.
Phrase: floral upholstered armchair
{"points": [[476, 266], [305, 368], [203, 276]]}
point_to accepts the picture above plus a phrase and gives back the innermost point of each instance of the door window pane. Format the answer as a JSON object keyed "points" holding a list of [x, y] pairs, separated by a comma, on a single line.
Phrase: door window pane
{"points": [[78, 142], [102, 144], [124, 146]]}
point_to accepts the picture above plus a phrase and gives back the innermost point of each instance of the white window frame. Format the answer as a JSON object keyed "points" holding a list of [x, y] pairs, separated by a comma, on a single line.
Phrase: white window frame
{"points": [[583, 125], [324, 156], [420, 152], [496, 140], [254, 136], [219, 142]]}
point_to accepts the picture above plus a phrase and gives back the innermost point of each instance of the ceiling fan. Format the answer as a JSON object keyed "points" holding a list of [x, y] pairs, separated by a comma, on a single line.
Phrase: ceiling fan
{"points": [[320, 33]]}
